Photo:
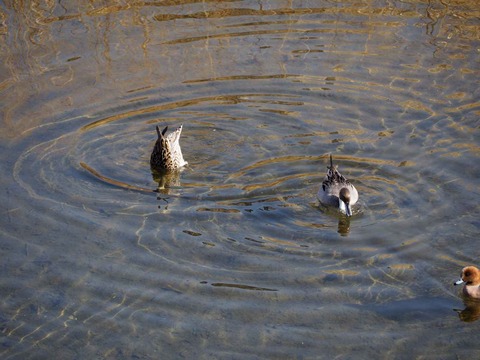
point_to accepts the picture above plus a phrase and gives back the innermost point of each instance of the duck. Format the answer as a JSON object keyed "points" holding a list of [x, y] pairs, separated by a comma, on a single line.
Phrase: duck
{"points": [[471, 280], [337, 191], [167, 154]]}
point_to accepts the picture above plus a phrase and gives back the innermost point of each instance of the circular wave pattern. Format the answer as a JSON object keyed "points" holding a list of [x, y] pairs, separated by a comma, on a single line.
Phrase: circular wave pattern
{"points": [[265, 93], [254, 159]]}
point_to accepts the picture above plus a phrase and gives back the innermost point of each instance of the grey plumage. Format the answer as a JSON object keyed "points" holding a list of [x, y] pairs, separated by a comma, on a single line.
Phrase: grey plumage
{"points": [[337, 191]]}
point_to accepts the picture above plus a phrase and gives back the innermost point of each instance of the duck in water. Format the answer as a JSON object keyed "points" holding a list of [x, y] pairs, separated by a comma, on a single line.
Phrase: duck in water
{"points": [[471, 280], [167, 154], [337, 191]]}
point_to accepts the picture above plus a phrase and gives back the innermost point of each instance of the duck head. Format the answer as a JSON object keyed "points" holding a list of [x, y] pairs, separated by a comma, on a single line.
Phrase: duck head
{"points": [[470, 276], [344, 201]]}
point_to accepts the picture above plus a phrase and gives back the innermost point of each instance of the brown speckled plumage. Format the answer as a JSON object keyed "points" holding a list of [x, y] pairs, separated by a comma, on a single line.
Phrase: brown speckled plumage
{"points": [[167, 154]]}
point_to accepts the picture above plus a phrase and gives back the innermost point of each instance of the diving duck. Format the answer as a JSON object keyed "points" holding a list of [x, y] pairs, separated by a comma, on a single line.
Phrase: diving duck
{"points": [[337, 191], [167, 154], [471, 279]]}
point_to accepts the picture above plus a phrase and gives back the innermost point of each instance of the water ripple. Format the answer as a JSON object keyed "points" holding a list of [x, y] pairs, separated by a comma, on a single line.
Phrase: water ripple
{"points": [[233, 254]]}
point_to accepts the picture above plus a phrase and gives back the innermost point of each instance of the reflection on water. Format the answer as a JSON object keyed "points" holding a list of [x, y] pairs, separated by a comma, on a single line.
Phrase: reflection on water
{"points": [[166, 180], [471, 312], [233, 256]]}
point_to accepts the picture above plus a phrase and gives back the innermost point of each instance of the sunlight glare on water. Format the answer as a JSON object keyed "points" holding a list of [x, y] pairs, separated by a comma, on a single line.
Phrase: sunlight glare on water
{"points": [[233, 256]]}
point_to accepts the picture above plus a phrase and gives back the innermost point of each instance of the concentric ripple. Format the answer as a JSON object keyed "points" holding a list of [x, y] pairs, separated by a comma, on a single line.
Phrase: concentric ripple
{"points": [[254, 158], [233, 257]]}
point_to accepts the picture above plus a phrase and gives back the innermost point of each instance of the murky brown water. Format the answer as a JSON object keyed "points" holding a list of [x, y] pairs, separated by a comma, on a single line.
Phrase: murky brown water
{"points": [[234, 258]]}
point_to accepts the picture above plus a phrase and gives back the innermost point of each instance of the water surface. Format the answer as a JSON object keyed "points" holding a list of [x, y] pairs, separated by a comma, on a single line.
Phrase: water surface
{"points": [[233, 257]]}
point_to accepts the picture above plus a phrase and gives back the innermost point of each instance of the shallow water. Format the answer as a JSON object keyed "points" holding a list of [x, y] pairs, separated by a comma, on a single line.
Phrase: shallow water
{"points": [[233, 257]]}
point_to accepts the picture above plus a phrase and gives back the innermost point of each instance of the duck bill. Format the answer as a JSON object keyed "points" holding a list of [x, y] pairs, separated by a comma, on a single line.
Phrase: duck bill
{"points": [[459, 282]]}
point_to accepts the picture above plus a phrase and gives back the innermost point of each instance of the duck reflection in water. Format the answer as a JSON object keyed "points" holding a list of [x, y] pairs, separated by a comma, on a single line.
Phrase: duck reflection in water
{"points": [[167, 159], [344, 225], [166, 180], [471, 312]]}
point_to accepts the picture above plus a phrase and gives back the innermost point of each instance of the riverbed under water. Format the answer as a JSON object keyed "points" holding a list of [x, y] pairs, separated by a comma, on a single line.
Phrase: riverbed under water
{"points": [[233, 257]]}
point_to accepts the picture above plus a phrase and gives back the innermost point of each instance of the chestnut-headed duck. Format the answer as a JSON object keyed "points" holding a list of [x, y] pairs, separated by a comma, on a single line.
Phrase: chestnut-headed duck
{"points": [[471, 279], [337, 191]]}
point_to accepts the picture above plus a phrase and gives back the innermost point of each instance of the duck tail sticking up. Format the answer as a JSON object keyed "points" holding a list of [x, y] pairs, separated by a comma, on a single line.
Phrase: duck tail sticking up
{"points": [[160, 135], [167, 154]]}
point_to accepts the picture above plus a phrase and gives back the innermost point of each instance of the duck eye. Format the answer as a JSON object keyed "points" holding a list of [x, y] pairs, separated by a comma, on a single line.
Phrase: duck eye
{"points": [[467, 273]]}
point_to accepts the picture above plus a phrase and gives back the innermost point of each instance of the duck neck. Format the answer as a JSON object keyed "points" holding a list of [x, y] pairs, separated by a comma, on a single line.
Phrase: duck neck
{"points": [[472, 291]]}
